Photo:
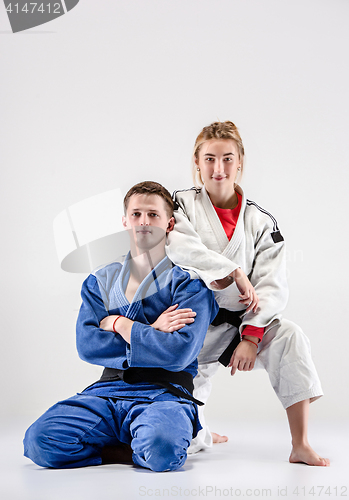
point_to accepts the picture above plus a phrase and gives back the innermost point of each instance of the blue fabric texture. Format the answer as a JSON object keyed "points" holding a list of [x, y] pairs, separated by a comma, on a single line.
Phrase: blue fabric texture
{"points": [[73, 432], [103, 293], [157, 424]]}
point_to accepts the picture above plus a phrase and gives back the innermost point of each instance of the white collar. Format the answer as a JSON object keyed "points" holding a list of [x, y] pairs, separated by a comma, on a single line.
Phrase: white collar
{"points": [[228, 248]]}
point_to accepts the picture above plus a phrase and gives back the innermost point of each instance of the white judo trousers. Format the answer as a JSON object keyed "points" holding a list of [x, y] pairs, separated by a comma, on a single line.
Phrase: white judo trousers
{"points": [[284, 353]]}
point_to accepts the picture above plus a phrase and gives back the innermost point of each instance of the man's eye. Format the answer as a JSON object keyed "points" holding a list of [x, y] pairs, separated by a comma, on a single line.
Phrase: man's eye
{"points": [[153, 215], [136, 214]]}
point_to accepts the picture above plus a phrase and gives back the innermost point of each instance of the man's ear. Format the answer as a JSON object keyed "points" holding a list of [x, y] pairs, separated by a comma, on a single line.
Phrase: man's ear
{"points": [[170, 225], [124, 222]]}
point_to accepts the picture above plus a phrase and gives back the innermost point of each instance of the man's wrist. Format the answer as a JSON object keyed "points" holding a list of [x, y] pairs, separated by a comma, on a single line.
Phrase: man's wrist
{"points": [[123, 327]]}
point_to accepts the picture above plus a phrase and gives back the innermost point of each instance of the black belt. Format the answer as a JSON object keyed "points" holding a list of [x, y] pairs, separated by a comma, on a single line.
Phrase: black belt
{"points": [[159, 376], [233, 318]]}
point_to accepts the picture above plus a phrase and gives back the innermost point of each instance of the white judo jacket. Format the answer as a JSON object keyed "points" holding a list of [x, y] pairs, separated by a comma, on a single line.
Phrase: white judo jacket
{"points": [[198, 242]]}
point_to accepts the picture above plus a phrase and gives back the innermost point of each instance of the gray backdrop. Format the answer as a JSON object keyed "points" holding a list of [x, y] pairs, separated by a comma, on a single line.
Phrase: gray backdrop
{"points": [[115, 92]]}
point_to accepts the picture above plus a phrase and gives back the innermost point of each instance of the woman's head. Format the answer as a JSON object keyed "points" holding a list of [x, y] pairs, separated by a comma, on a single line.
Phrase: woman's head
{"points": [[216, 131]]}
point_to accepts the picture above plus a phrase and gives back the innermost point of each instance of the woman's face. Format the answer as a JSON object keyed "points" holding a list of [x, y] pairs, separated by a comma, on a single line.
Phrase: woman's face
{"points": [[219, 163]]}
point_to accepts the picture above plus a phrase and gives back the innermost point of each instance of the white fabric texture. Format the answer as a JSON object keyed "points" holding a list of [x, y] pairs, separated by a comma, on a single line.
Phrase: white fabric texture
{"points": [[198, 242], [284, 353]]}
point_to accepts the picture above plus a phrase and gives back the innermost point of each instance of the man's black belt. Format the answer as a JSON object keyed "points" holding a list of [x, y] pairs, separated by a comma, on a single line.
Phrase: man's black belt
{"points": [[233, 318], [159, 376], [165, 378]]}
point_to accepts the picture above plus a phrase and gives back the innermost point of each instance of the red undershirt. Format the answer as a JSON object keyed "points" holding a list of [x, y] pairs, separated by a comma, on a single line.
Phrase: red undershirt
{"points": [[229, 218]]}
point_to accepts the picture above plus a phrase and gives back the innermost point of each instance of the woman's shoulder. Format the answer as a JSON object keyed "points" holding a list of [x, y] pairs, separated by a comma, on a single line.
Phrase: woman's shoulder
{"points": [[255, 212], [186, 198], [189, 194]]}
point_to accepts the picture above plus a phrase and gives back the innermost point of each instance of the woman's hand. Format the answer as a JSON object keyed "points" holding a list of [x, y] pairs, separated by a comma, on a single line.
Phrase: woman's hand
{"points": [[172, 319], [247, 295], [244, 356]]}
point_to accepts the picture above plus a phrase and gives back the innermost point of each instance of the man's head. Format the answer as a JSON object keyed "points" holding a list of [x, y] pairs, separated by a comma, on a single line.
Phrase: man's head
{"points": [[149, 213], [150, 188]]}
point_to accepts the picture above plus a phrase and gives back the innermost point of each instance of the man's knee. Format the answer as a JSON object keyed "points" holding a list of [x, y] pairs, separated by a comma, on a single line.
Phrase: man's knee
{"points": [[164, 450], [39, 445], [160, 442]]}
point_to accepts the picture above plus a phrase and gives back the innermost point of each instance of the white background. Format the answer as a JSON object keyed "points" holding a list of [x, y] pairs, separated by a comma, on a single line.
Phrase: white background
{"points": [[115, 92]]}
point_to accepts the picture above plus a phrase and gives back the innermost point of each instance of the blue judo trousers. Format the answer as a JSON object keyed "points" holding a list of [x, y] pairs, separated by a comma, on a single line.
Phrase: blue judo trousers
{"points": [[73, 432]]}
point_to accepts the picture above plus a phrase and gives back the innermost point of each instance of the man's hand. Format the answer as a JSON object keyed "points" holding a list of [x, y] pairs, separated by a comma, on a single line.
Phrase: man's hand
{"points": [[247, 295], [170, 320], [107, 323], [244, 356], [174, 319], [123, 326]]}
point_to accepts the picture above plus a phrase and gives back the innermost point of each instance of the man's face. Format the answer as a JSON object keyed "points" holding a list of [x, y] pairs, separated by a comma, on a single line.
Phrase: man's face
{"points": [[147, 219]]}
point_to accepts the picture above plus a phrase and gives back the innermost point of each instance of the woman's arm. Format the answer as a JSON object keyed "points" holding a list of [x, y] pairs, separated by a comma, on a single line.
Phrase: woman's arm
{"points": [[268, 278], [185, 248]]}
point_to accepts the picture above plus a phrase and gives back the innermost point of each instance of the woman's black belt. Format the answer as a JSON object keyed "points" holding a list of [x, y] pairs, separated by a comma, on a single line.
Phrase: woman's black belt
{"points": [[233, 318]]}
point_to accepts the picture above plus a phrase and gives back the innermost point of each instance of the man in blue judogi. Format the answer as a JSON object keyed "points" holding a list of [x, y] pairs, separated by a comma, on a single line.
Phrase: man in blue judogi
{"points": [[144, 321]]}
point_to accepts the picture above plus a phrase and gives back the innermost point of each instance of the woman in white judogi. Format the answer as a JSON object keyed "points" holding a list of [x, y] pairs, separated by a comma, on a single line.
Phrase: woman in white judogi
{"points": [[237, 249]]}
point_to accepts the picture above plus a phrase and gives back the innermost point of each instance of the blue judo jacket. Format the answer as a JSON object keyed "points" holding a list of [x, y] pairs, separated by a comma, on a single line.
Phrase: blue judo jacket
{"points": [[103, 294]]}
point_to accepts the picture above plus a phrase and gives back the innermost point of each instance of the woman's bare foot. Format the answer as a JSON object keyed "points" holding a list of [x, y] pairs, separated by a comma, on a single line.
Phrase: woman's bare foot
{"points": [[217, 438], [305, 454]]}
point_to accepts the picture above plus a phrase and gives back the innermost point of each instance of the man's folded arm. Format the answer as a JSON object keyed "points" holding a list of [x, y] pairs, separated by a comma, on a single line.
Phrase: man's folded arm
{"points": [[175, 351], [95, 345]]}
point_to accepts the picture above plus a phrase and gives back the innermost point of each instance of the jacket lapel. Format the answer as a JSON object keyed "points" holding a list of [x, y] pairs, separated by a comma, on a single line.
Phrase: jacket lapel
{"points": [[227, 248]]}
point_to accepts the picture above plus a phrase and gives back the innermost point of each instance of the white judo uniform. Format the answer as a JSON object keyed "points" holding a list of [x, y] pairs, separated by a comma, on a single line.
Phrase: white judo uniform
{"points": [[199, 242]]}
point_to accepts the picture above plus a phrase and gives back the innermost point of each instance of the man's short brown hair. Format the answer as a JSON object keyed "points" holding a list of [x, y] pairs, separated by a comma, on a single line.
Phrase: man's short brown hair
{"points": [[149, 188]]}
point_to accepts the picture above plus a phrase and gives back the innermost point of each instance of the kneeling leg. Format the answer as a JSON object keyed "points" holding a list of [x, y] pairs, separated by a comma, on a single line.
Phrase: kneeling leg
{"points": [[161, 433], [71, 433]]}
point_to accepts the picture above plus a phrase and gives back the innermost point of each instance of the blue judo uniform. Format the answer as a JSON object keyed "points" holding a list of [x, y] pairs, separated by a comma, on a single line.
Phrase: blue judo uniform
{"points": [[157, 423]]}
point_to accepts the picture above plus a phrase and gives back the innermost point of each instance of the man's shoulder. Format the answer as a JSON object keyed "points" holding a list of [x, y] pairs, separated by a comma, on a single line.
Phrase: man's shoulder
{"points": [[192, 279], [108, 273]]}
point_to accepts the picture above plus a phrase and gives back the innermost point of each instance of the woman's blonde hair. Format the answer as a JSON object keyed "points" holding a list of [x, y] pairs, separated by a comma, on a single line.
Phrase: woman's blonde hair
{"points": [[217, 130]]}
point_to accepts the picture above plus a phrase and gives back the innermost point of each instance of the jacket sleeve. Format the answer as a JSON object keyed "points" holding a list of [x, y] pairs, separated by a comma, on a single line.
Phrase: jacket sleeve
{"points": [[95, 345], [177, 350], [269, 279], [185, 248]]}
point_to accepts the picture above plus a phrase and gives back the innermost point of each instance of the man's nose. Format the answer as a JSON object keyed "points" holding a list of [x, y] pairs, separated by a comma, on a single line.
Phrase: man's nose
{"points": [[144, 220]]}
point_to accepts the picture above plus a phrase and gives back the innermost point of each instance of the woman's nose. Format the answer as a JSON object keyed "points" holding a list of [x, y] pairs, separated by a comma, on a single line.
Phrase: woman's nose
{"points": [[218, 166]]}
